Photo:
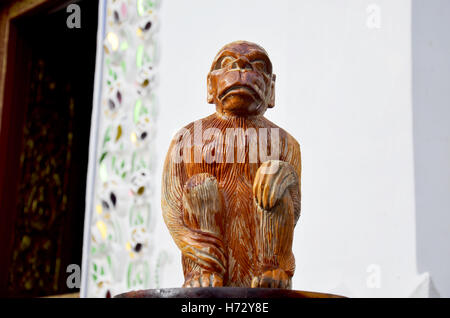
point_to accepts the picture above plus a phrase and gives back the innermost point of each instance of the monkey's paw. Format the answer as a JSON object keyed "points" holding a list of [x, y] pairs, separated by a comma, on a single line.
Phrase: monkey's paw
{"points": [[203, 279], [272, 179], [276, 278]]}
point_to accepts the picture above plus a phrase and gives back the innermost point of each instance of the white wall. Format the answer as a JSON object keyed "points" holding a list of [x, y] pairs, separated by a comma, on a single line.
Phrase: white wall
{"points": [[431, 106], [344, 92]]}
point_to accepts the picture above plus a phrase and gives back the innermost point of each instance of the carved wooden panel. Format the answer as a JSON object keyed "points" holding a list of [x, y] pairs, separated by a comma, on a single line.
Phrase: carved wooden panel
{"points": [[42, 194], [47, 146]]}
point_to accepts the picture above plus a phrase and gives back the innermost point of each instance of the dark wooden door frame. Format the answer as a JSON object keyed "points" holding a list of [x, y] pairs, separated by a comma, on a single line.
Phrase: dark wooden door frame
{"points": [[13, 76]]}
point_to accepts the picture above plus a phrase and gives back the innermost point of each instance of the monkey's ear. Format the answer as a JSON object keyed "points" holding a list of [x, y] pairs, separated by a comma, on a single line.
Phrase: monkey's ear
{"points": [[210, 93], [271, 103]]}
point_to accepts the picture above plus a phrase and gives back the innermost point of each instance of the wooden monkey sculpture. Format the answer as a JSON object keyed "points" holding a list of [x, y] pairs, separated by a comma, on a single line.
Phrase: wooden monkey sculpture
{"points": [[231, 181]]}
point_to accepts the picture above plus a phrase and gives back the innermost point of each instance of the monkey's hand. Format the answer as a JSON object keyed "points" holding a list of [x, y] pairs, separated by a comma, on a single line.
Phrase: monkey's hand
{"points": [[271, 181], [203, 278], [276, 278]]}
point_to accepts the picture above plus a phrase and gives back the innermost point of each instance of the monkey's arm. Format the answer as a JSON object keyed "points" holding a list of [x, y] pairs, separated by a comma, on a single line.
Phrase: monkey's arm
{"points": [[203, 248], [277, 193], [293, 156]]}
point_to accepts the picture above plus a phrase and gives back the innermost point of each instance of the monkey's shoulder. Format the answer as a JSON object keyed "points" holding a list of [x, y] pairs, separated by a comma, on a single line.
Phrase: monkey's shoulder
{"points": [[288, 139]]}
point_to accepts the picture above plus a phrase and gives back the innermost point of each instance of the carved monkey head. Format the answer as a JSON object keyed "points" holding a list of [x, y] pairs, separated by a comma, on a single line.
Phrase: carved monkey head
{"points": [[240, 81]]}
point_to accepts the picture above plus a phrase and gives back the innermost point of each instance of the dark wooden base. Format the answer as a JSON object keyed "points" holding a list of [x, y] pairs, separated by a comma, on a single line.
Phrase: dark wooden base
{"points": [[224, 292]]}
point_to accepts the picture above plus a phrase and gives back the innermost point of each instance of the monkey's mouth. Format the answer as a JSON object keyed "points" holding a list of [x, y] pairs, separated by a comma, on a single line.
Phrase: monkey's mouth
{"points": [[239, 90]]}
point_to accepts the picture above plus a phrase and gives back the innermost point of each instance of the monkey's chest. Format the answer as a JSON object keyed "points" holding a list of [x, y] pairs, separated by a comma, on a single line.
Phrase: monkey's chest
{"points": [[239, 216], [236, 186], [241, 226]]}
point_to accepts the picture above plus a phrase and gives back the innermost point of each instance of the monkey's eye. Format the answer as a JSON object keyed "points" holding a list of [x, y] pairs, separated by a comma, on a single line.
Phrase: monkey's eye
{"points": [[260, 65], [226, 61]]}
